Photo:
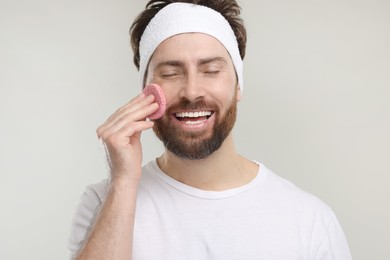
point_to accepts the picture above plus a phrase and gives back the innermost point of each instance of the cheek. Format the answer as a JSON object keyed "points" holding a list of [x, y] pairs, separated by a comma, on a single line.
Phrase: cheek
{"points": [[224, 95], [226, 91], [169, 94]]}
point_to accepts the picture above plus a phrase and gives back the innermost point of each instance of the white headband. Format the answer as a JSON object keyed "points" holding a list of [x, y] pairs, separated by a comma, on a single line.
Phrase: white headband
{"points": [[179, 18]]}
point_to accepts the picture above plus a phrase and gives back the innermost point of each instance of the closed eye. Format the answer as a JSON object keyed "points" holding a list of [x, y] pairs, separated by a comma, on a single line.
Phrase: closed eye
{"points": [[212, 72], [169, 75]]}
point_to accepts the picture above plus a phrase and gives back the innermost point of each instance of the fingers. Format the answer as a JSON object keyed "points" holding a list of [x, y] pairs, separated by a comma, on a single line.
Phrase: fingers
{"points": [[133, 104], [123, 135], [136, 110]]}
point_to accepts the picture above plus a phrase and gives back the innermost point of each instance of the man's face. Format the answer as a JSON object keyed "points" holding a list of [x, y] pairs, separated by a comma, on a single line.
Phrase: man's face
{"points": [[198, 79]]}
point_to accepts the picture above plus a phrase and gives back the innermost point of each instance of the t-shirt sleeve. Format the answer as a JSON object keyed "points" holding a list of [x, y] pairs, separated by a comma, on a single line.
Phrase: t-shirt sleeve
{"points": [[334, 245], [83, 219]]}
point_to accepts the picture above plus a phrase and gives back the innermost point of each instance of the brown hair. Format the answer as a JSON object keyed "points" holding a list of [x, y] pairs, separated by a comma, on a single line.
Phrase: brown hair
{"points": [[227, 8]]}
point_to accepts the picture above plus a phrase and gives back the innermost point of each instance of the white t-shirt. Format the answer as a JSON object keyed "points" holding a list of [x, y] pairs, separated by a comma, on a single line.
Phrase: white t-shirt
{"points": [[266, 219]]}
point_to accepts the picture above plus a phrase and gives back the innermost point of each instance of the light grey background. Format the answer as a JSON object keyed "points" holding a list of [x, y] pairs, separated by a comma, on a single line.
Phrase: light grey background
{"points": [[316, 110]]}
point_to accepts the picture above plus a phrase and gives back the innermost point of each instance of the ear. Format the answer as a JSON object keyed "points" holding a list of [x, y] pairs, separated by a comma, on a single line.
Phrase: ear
{"points": [[238, 95]]}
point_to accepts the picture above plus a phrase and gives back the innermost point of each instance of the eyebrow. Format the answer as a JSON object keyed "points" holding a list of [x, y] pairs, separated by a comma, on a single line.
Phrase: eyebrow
{"points": [[212, 59], [177, 63], [173, 63]]}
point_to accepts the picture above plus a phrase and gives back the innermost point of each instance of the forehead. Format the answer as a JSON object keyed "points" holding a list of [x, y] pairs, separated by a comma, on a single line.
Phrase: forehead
{"points": [[189, 47]]}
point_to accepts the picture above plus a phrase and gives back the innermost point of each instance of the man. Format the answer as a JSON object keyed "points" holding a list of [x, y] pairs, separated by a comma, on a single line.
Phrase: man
{"points": [[199, 199]]}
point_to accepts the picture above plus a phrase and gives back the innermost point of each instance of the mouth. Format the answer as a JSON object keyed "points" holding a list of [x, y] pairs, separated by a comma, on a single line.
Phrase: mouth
{"points": [[193, 117]]}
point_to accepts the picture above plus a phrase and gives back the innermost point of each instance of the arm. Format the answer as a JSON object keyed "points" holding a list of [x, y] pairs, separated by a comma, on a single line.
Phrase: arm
{"points": [[111, 235]]}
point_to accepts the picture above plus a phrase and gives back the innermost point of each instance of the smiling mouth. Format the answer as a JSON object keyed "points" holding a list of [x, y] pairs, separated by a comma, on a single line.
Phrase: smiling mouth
{"points": [[193, 118]]}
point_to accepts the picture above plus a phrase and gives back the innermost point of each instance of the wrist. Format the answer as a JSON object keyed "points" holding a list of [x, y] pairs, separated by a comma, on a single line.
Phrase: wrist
{"points": [[123, 182]]}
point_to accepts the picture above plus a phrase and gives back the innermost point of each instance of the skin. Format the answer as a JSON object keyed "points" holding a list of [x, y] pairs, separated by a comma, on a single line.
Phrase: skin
{"points": [[201, 69]]}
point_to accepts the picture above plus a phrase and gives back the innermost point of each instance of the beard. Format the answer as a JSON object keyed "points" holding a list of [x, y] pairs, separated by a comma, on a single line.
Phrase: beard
{"points": [[199, 144]]}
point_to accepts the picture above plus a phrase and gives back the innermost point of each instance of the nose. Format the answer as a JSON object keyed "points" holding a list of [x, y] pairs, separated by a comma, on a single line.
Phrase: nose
{"points": [[192, 88]]}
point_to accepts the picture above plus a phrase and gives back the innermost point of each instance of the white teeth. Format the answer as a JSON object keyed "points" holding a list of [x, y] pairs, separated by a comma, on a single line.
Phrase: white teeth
{"points": [[193, 114], [193, 122]]}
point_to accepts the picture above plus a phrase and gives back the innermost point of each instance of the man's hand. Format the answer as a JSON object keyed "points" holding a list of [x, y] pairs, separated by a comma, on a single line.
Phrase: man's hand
{"points": [[111, 235], [121, 136]]}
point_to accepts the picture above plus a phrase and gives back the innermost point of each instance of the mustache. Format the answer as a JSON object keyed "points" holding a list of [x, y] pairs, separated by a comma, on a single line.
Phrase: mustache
{"points": [[185, 104]]}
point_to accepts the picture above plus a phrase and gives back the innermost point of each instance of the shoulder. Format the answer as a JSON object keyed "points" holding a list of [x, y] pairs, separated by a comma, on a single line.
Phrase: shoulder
{"points": [[96, 192], [91, 200], [292, 197], [89, 203], [314, 218]]}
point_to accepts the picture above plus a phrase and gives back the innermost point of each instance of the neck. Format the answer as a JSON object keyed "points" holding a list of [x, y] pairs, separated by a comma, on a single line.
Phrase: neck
{"points": [[223, 169]]}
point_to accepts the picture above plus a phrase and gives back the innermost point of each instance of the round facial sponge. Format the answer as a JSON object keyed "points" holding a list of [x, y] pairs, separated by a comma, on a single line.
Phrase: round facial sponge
{"points": [[159, 98]]}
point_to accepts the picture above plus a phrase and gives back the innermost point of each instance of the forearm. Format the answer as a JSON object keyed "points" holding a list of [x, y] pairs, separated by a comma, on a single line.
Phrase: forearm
{"points": [[111, 235]]}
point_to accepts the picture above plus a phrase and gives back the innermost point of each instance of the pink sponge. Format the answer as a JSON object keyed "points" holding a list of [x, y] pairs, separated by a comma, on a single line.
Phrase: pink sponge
{"points": [[156, 90]]}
